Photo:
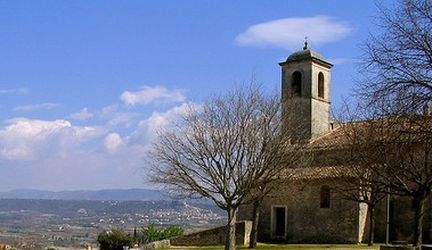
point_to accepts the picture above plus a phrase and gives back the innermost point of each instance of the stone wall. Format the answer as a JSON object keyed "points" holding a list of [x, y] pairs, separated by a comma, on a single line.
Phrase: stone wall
{"points": [[344, 222], [162, 244], [306, 222], [215, 236]]}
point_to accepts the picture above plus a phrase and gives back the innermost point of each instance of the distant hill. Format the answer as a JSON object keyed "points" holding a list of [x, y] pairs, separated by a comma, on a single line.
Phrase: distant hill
{"points": [[106, 194]]}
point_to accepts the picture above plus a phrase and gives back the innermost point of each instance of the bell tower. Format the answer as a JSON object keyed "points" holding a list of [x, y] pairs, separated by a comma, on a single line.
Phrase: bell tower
{"points": [[306, 94]]}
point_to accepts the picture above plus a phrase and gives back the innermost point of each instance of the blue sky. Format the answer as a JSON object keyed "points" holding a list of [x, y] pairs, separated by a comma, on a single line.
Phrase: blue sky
{"points": [[84, 85]]}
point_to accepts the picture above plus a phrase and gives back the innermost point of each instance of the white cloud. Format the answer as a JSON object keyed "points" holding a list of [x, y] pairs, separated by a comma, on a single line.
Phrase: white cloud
{"points": [[115, 117], [109, 109], [15, 91], [289, 33], [38, 106], [24, 139], [158, 121], [84, 114], [125, 118], [79, 169], [57, 154], [64, 155], [113, 142], [149, 94]]}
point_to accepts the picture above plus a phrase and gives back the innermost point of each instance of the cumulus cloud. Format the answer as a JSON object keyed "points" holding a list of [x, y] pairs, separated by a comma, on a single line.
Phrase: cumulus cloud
{"points": [[76, 170], [65, 155], [38, 106], [158, 121], [82, 115], [124, 118], [115, 117], [289, 33], [56, 154], [148, 94], [25, 139], [113, 142]]}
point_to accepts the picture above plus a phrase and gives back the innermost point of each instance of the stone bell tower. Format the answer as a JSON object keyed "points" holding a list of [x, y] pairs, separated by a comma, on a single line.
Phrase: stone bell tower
{"points": [[306, 94]]}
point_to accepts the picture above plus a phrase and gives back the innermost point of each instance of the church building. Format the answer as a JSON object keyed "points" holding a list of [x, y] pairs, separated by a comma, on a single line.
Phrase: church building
{"points": [[306, 210]]}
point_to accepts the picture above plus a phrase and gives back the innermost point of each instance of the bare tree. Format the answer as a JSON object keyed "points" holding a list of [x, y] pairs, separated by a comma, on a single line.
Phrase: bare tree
{"points": [[224, 150], [395, 152], [398, 85], [403, 159], [398, 60]]}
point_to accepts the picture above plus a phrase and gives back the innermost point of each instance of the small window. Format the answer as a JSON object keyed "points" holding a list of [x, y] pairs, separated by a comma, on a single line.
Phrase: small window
{"points": [[296, 82], [325, 197], [321, 85]]}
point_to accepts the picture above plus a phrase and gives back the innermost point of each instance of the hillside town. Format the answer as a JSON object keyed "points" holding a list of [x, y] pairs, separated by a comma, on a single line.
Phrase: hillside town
{"points": [[33, 229]]}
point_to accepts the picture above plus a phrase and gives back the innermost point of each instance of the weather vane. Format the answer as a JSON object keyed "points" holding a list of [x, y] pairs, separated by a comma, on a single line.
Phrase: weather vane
{"points": [[305, 43]]}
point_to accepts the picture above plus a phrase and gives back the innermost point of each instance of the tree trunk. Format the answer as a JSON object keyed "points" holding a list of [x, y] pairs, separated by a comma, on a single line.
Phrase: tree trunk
{"points": [[418, 219], [231, 232], [371, 212], [254, 233]]}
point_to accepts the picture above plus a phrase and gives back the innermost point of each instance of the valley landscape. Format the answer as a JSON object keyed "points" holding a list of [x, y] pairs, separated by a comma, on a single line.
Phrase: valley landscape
{"points": [[31, 219]]}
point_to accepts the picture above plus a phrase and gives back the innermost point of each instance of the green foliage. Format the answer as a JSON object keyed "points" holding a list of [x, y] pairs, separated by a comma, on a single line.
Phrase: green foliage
{"points": [[115, 240], [172, 231], [151, 233]]}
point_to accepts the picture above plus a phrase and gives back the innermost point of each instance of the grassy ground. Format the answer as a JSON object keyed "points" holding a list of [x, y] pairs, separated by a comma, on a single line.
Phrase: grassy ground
{"points": [[292, 246]]}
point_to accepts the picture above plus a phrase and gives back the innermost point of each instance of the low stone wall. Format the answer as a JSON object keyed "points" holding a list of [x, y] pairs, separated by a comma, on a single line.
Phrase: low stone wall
{"points": [[162, 244], [215, 236]]}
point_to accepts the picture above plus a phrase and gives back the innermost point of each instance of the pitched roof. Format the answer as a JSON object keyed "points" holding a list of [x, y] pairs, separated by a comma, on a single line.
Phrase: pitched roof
{"points": [[386, 129], [322, 172]]}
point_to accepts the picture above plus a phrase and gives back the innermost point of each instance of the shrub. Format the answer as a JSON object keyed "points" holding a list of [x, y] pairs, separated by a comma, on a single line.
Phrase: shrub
{"points": [[151, 233], [115, 240]]}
